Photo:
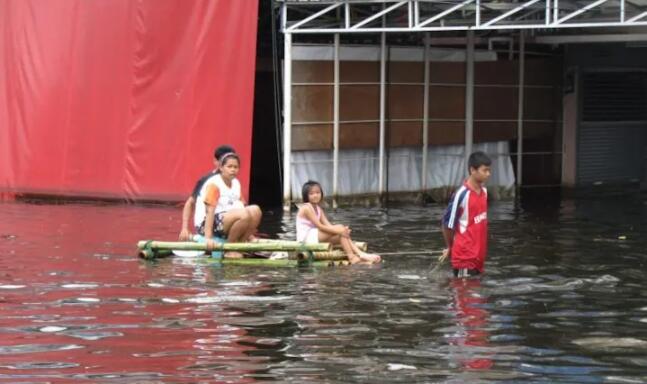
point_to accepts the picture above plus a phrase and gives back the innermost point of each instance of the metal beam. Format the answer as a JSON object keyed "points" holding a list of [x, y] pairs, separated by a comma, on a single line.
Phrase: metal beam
{"points": [[580, 11], [335, 134], [545, 15], [469, 28], [520, 106], [378, 15], [287, 120], [425, 117], [636, 18], [511, 12], [469, 95], [380, 187], [444, 13], [311, 17]]}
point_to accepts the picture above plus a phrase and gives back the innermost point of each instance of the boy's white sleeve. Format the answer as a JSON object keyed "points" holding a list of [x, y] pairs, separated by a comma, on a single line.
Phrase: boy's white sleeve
{"points": [[453, 209]]}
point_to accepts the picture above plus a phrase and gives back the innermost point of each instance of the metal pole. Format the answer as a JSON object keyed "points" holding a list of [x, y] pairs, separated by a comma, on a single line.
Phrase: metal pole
{"points": [[469, 96], [425, 117], [382, 114], [287, 120], [522, 70], [335, 156]]}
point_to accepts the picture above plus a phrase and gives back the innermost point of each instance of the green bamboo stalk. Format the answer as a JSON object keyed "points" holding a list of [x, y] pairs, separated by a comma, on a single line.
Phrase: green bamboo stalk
{"points": [[363, 246], [238, 247], [268, 262], [150, 254], [334, 255]]}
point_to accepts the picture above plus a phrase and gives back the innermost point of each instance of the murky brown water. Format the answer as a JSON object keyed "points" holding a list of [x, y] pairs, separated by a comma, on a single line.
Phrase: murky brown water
{"points": [[563, 300]]}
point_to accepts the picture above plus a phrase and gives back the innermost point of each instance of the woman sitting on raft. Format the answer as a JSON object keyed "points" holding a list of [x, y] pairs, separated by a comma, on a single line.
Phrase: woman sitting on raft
{"points": [[314, 227], [226, 214]]}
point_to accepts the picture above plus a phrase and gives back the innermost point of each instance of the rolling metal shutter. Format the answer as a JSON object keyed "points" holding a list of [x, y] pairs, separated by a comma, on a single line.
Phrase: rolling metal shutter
{"points": [[611, 129]]}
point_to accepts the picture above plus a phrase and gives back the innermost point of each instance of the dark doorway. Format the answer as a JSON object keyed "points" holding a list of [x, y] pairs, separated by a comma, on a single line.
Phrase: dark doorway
{"points": [[265, 178]]}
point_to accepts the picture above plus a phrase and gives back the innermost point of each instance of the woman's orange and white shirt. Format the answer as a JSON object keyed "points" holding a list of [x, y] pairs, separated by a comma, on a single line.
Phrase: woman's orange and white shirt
{"points": [[216, 193]]}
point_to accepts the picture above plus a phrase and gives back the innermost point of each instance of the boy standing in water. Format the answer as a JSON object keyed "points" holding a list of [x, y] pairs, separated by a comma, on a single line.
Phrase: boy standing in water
{"points": [[464, 224]]}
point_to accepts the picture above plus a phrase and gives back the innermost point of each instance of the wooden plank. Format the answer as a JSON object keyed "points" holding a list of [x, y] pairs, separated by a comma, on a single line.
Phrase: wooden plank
{"points": [[312, 103], [311, 137], [404, 134], [312, 71], [359, 71], [405, 101], [359, 135], [359, 102]]}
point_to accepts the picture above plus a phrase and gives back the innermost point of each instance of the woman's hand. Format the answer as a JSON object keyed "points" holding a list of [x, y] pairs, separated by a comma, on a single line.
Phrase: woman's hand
{"points": [[211, 245], [185, 235]]}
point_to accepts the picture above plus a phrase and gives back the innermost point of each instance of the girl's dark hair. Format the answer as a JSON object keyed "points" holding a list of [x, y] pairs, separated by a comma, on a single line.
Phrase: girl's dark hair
{"points": [[306, 190], [231, 155]]}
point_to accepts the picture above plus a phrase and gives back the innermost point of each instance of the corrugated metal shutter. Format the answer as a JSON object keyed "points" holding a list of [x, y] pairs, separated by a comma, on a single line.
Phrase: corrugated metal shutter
{"points": [[610, 135]]}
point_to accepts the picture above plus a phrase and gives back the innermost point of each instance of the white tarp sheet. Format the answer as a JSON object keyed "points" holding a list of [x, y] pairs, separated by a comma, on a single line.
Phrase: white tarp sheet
{"points": [[358, 168]]}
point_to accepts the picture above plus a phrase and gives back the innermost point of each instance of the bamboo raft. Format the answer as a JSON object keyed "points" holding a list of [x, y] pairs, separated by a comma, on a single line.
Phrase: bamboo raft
{"points": [[320, 254]]}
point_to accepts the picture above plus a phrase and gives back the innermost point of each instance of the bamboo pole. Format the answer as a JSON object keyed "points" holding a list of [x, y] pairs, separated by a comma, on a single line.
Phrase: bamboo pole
{"points": [[270, 262], [363, 246], [239, 247], [148, 253], [334, 255], [151, 254]]}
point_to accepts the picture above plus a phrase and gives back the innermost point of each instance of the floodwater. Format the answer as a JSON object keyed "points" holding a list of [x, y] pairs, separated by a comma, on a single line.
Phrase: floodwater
{"points": [[563, 300]]}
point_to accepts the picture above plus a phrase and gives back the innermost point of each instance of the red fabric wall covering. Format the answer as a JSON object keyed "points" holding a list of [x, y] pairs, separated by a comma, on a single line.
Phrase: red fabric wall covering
{"points": [[123, 98]]}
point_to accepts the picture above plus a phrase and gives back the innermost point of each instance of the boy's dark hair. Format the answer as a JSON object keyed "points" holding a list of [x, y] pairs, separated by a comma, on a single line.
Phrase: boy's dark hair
{"points": [[306, 190], [477, 159], [223, 149]]}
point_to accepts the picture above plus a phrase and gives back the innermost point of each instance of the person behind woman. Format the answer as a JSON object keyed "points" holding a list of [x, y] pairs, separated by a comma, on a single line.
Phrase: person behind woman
{"points": [[226, 214], [313, 226]]}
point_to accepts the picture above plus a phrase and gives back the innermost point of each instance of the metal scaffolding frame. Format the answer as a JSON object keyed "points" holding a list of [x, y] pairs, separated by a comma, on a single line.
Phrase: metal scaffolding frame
{"points": [[334, 17], [361, 16]]}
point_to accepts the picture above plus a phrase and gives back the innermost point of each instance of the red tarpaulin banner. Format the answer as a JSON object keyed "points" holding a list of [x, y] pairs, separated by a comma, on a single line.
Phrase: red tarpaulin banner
{"points": [[123, 98]]}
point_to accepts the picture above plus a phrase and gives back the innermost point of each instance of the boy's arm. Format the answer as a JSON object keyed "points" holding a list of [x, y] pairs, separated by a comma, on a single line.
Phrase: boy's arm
{"points": [[187, 211], [448, 223], [448, 235]]}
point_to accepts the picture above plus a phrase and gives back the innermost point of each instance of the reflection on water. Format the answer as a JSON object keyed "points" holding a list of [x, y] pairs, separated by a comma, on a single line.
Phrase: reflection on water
{"points": [[563, 300]]}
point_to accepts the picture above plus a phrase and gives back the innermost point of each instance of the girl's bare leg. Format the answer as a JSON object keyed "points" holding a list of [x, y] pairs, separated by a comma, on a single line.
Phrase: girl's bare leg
{"points": [[345, 242], [255, 215], [235, 225], [369, 257]]}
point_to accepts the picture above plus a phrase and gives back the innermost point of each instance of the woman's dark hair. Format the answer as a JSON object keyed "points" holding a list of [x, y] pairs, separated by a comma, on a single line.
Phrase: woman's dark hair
{"points": [[231, 155], [306, 190], [222, 150]]}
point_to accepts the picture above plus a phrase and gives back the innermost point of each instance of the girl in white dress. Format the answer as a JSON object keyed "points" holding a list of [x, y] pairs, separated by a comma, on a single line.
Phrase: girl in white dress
{"points": [[313, 226]]}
